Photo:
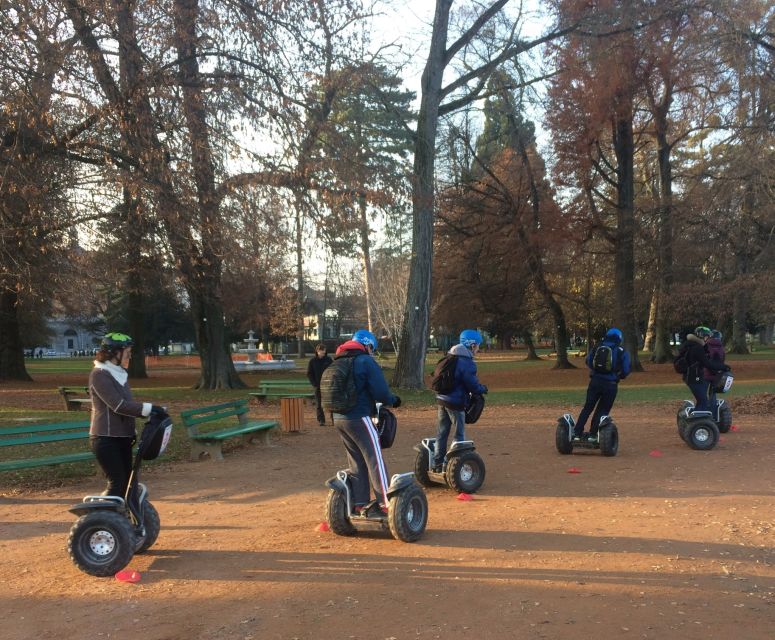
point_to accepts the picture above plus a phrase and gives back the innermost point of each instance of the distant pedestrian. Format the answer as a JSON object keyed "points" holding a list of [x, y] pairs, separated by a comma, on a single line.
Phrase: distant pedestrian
{"points": [[317, 365]]}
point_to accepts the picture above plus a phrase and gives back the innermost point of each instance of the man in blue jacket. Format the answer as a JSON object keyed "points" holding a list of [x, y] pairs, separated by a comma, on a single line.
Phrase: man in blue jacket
{"points": [[608, 363], [452, 405], [358, 433]]}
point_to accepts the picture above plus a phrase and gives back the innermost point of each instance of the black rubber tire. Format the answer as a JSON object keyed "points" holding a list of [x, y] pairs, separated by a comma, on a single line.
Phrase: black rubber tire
{"points": [[152, 524], [408, 513], [702, 434], [336, 514], [421, 468], [608, 439], [681, 424], [101, 543], [465, 472], [562, 439], [725, 419]]}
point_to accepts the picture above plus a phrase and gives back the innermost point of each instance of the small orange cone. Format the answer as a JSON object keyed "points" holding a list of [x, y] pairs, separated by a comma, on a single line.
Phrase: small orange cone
{"points": [[734, 428], [128, 575], [465, 497], [574, 470], [655, 453], [323, 526]]}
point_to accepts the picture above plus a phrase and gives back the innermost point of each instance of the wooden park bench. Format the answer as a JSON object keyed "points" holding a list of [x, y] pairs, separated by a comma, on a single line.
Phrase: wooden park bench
{"points": [[283, 389], [76, 398], [35, 438], [210, 442]]}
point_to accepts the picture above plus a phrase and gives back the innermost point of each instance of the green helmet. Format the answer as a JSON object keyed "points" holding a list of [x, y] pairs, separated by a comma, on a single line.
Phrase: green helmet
{"points": [[115, 341], [702, 332]]}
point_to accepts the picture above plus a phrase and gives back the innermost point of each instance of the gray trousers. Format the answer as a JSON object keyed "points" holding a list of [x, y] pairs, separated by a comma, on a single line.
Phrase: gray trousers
{"points": [[364, 454]]}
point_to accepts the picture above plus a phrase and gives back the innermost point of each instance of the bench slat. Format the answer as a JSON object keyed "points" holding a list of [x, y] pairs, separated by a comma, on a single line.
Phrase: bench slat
{"points": [[40, 428], [237, 404], [10, 465], [236, 431], [49, 437], [190, 421]]}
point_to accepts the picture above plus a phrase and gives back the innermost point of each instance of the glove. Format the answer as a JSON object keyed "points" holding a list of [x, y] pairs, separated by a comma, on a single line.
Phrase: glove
{"points": [[727, 368], [396, 402], [484, 389], [157, 410]]}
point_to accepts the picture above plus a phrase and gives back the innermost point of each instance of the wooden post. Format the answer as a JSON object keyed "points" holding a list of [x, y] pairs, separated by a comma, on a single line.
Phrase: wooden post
{"points": [[291, 414]]}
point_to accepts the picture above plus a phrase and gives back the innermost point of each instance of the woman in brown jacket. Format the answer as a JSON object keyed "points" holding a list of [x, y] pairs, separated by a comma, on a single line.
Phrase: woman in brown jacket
{"points": [[112, 431]]}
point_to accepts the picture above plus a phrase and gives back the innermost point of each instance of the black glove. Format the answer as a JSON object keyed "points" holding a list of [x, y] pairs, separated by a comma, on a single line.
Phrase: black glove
{"points": [[727, 368], [484, 389], [396, 402], [157, 410]]}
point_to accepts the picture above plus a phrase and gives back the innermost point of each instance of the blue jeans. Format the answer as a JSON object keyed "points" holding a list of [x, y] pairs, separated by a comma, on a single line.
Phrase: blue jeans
{"points": [[700, 392], [601, 393], [448, 417]]}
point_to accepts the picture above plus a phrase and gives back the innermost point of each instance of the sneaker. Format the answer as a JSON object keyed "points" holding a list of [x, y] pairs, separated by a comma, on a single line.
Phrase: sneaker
{"points": [[578, 437], [592, 438], [373, 510]]}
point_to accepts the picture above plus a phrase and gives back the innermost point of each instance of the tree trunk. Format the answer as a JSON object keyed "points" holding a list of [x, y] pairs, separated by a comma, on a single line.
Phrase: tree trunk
{"points": [[410, 364], [299, 278], [12, 365], [366, 254], [624, 246], [648, 341], [740, 305], [134, 231], [531, 348]]}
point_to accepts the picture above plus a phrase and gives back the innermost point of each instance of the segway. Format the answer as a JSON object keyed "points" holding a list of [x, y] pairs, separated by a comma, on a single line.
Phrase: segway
{"points": [[607, 436], [112, 529], [700, 429], [463, 471], [407, 509]]}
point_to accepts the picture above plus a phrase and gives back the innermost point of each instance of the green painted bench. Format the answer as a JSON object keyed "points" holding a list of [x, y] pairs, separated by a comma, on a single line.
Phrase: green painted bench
{"points": [[283, 389], [76, 398], [210, 442], [43, 434]]}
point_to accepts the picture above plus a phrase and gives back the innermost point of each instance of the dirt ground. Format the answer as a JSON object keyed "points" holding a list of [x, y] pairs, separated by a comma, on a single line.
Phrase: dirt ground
{"points": [[658, 542]]}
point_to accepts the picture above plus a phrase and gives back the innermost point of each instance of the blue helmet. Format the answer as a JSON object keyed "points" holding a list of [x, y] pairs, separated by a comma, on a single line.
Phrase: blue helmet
{"points": [[470, 337], [614, 334], [716, 334], [366, 338]]}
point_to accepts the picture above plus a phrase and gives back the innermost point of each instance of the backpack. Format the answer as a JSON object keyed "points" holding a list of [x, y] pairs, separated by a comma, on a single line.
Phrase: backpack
{"points": [[386, 427], [680, 363], [443, 380], [337, 384], [603, 359], [474, 408]]}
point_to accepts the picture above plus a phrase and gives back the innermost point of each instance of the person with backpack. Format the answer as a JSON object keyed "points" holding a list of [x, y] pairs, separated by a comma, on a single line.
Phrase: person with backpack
{"points": [[454, 381], [695, 353], [317, 365], [608, 363], [715, 348], [350, 388]]}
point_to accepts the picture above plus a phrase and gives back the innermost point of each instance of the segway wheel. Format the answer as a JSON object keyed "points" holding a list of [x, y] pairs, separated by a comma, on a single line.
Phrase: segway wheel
{"points": [[336, 514], [421, 468], [725, 419], [681, 423], [702, 434], [465, 472], [101, 543], [408, 513], [608, 437], [152, 524], [562, 439]]}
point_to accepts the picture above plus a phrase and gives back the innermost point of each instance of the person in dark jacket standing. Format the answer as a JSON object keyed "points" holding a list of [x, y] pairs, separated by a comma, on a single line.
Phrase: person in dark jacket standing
{"points": [[604, 377], [358, 432], [452, 405], [112, 430], [317, 365], [699, 362], [716, 353]]}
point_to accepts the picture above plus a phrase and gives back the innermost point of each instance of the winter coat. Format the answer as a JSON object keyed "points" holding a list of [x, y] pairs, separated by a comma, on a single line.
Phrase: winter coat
{"points": [[697, 360], [316, 367], [370, 383], [113, 411], [716, 353], [466, 380], [622, 364]]}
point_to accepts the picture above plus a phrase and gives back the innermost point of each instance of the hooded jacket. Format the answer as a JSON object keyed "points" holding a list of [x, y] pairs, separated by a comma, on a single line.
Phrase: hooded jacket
{"points": [[113, 410], [622, 364], [716, 353], [466, 380], [370, 383], [698, 360]]}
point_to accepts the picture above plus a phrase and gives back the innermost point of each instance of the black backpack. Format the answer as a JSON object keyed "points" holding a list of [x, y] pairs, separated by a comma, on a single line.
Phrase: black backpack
{"points": [[606, 359], [680, 362], [443, 380], [387, 425], [337, 384], [474, 408]]}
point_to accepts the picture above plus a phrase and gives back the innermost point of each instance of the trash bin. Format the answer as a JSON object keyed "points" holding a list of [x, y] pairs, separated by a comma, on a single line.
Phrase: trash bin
{"points": [[291, 414]]}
